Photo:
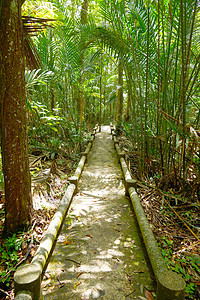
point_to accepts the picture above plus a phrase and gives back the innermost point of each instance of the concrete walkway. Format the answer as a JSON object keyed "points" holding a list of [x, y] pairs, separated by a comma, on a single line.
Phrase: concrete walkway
{"points": [[99, 253]]}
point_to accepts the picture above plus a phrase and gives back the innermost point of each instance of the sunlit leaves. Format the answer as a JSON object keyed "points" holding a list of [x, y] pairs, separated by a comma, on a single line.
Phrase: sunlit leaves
{"points": [[39, 8], [36, 77]]}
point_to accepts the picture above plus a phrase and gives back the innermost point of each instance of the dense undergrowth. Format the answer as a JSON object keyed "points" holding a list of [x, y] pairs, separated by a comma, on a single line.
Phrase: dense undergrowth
{"points": [[172, 208], [55, 143]]}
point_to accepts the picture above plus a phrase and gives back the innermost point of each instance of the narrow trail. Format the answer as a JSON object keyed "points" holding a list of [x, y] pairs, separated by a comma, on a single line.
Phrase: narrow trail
{"points": [[99, 253]]}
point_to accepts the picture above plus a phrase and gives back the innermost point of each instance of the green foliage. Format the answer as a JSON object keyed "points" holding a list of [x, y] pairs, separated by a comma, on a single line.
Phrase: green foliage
{"points": [[180, 264], [164, 111], [9, 250], [2, 218], [1, 174], [44, 124], [53, 132], [128, 129], [36, 77]]}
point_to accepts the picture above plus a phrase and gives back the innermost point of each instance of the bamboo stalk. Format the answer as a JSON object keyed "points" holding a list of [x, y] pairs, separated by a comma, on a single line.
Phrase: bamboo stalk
{"points": [[183, 79]]}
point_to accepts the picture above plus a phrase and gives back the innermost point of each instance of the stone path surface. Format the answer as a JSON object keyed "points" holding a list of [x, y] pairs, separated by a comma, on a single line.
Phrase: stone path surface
{"points": [[99, 253]]}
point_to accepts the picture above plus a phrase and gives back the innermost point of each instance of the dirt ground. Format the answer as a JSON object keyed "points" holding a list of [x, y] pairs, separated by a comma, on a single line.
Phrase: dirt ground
{"points": [[99, 253]]}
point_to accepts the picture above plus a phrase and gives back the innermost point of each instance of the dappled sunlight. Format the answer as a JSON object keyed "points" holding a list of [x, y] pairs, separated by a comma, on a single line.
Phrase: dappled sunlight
{"points": [[110, 253], [99, 247], [41, 202], [98, 174], [96, 266], [117, 242]]}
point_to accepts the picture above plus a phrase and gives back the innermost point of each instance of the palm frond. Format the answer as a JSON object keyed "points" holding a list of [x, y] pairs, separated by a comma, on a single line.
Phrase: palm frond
{"points": [[36, 77]]}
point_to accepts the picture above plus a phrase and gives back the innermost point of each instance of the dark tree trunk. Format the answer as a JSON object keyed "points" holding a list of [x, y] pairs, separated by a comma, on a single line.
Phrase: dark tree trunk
{"points": [[18, 202]]}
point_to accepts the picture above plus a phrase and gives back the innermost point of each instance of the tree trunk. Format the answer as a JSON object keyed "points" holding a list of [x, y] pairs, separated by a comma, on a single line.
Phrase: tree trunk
{"points": [[84, 14], [52, 98], [84, 11], [100, 87], [183, 79], [18, 202], [130, 95], [120, 95]]}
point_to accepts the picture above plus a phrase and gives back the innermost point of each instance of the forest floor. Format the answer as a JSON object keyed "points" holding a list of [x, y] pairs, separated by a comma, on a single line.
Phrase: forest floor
{"points": [[49, 181], [174, 216], [169, 220]]}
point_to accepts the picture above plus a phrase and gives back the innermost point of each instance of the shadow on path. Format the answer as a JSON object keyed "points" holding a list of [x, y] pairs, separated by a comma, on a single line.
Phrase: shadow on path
{"points": [[99, 253]]}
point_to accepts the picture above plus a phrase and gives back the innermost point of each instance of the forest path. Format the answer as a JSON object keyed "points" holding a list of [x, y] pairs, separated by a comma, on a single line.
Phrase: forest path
{"points": [[99, 253]]}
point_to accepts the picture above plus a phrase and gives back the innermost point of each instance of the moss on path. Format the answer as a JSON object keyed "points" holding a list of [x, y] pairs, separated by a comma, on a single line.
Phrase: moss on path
{"points": [[99, 253]]}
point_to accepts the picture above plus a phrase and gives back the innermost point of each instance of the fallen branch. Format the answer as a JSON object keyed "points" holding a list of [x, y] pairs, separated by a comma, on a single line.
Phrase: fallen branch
{"points": [[143, 184], [182, 220], [188, 248], [129, 294], [4, 292], [73, 261], [182, 237], [171, 196]]}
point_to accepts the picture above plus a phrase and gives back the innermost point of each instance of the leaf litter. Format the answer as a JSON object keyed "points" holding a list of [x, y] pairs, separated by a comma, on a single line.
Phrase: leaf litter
{"points": [[174, 219]]}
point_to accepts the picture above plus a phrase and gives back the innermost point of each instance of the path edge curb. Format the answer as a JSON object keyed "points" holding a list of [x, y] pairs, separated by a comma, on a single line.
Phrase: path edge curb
{"points": [[28, 278], [170, 285]]}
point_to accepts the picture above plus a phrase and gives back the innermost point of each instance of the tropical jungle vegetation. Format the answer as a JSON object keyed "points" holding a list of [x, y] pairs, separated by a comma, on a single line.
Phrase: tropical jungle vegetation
{"points": [[68, 65]]}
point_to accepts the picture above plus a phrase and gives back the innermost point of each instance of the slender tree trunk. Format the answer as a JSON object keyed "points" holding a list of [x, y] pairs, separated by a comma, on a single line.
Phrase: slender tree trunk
{"points": [[145, 137], [159, 142], [82, 99], [52, 98], [84, 11], [120, 94], [130, 95], [84, 14], [51, 67], [100, 86], [191, 35], [105, 93], [183, 79], [18, 202]]}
